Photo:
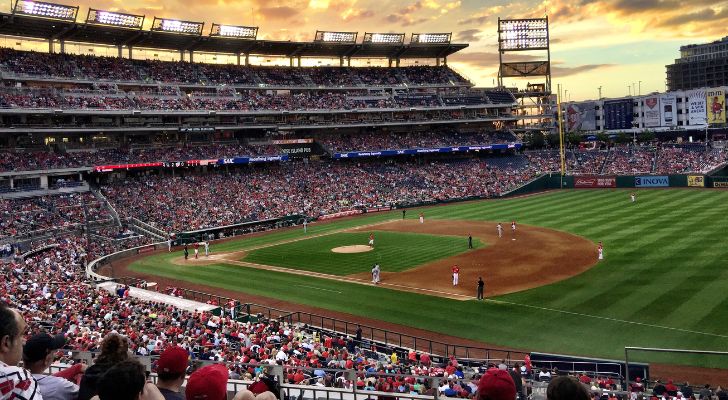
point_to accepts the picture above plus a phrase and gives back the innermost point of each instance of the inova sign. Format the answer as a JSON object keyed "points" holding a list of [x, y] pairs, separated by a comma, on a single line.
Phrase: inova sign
{"points": [[651, 181]]}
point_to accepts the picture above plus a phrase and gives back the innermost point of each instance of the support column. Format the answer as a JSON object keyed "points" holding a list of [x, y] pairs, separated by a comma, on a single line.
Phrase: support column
{"points": [[299, 61], [444, 61], [390, 62], [63, 47], [181, 55], [130, 52], [437, 61], [291, 61], [238, 58], [50, 46], [397, 65], [348, 61], [44, 182], [121, 51], [247, 59], [192, 56], [341, 61]]}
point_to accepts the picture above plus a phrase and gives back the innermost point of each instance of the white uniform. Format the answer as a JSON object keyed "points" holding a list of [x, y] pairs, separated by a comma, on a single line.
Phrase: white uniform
{"points": [[632, 196], [500, 230], [601, 253], [207, 248], [375, 274], [422, 219], [305, 226], [169, 245]]}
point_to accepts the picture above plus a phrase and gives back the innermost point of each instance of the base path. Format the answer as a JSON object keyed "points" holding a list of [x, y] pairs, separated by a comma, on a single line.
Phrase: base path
{"points": [[538, 256]]}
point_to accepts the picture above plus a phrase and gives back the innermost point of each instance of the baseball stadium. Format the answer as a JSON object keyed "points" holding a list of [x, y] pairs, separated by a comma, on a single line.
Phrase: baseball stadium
{"points": [[377, 226]]}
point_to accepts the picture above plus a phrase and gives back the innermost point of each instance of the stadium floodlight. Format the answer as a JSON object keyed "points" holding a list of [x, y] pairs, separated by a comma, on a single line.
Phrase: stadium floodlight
{"points": [[234, 31], [177, 26], [45, 10], [523, 34], [336, 37], [384, 38], [431, 38], [109, 18]]}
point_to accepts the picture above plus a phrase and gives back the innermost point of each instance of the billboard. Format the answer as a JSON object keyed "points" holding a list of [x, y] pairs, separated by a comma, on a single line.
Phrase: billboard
{"points": [[595, 182], [668, 110], [651, 111], [651, 181], [581, 117], [715, 98], [697, 112], [696, 181], [618, 114]]}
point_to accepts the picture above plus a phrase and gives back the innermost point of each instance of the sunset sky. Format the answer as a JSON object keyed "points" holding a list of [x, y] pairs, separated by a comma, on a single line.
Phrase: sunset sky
{"points": [[608, 43]]}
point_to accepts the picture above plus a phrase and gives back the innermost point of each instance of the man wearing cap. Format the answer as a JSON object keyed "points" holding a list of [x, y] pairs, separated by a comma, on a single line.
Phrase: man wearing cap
{"points": [[38, 356], [496, 384], [208, 383], [15, 382], [171, 369]]}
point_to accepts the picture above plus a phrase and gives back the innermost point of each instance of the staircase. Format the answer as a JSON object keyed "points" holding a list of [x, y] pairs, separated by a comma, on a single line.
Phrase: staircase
{"points": [[145, 229]]}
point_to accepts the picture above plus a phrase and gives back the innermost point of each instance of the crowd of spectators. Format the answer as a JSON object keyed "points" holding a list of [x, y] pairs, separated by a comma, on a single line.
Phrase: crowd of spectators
{"points": [[411, 140], [677, 159], [630, 160], [191, 202], [151, 71]]}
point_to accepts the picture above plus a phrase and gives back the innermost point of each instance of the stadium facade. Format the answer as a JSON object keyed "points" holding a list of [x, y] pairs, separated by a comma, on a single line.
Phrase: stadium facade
{"points": [[699, 65]]}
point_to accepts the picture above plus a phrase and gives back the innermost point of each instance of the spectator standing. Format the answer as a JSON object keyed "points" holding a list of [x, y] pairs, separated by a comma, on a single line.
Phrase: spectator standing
{"points": [[17, 383]]}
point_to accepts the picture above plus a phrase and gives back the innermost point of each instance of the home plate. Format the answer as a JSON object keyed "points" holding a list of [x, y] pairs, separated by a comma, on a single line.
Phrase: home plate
{"points": [[513, 239]]}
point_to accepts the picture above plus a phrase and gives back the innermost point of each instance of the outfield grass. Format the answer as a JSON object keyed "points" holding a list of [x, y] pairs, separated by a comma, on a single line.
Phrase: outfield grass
{"points": [[664, 282], [394, 251]]}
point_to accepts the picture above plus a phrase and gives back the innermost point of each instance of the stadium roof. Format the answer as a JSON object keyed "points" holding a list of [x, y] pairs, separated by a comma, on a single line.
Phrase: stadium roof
{"points": [[69, 31]]}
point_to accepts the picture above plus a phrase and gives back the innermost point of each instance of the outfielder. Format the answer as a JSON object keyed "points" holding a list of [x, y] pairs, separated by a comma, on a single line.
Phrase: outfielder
{"points": [[499, 227], [305, 225], [513, 230], [422, 218], [600, 251], [633, 197], [455, 275], [371, 240]]}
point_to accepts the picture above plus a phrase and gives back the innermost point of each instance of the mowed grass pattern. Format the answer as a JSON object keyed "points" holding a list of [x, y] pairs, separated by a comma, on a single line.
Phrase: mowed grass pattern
{"points": [[664, 282], [394, 251]]}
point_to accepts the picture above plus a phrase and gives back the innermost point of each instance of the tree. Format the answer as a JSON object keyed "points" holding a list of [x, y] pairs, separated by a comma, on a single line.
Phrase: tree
{"points": [[646, 136], [602, 137], [536, 140]]}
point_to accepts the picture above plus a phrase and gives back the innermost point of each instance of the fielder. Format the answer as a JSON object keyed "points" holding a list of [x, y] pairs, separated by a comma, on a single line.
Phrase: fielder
{"points": [[499, 227], [207, 248], [633, 197], [422, 218], [600, 251], [455, 275], [375, 274], [513, 230], [169, 244], [305, 225], [371, 240]]}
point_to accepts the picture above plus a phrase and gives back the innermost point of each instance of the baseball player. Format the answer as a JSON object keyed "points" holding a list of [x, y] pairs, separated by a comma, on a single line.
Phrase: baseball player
{"points": [[207, 248], [633, 197], [187, 253], [169, 244], [600, 251], [305, 225], [196, 246], [422, 218], [455, 275], [375, 274], [499, 227], [371, 240], [513, 230]]}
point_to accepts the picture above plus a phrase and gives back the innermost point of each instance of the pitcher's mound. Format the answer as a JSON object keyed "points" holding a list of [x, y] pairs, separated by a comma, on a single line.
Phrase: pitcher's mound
{"points": [[357, 248]]}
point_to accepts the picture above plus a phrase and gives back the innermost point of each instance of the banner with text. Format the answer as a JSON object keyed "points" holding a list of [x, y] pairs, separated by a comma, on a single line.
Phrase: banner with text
{"points": [[696, 181], [455, 149], [697, 114], [581, 117], [651, 111], [595, 182], [668, 110], [651, 181], [715, 98]]}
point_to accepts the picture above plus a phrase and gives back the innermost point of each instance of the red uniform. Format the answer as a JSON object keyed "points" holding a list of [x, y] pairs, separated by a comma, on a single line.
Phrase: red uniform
{"points": [[455, 275]]}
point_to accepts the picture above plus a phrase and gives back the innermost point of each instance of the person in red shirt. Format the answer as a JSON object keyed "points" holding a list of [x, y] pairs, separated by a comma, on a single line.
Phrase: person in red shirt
{"points": [[197, 249], [455, 275], [371, 240]]}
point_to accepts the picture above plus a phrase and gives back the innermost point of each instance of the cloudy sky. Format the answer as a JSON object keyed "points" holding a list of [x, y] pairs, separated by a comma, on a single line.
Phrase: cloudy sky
{"points": [[608, 43]]}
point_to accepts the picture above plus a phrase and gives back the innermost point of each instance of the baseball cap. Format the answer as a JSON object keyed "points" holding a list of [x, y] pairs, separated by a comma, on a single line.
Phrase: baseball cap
{"points": [[39, 346], [496, 384], [173, 360], [208, 383]]}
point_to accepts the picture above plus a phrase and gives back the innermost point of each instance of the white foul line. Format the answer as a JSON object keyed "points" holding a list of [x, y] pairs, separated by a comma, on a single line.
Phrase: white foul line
{"points": [[318, 288], [624, 321]]}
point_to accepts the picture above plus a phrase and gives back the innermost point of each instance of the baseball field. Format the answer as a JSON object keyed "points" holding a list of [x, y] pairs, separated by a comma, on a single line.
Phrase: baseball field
{"points": [[663, 282]]}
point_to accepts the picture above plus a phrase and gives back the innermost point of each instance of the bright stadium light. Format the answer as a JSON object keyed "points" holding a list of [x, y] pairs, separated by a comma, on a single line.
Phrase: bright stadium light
{"points": [[177, 26], [234, 31], [336, 37], [523, 34], [109, 18], [45, 10], [431, 38], [384, 38]]}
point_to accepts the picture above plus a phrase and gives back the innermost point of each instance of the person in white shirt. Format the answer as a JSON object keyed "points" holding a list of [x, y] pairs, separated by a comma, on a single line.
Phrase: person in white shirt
{"points": [[19, 381], [38, 356]]}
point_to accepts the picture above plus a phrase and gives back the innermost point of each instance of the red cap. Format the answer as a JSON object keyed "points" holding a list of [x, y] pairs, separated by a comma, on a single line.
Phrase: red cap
{"points": [[173, 360], [496, 384], [208, 383]]}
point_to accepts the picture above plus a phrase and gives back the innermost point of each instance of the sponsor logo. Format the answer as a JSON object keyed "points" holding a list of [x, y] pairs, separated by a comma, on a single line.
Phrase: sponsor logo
{"points": [[720, 184], [651, 181], [595, 182], [696, 181], [651, 102]]}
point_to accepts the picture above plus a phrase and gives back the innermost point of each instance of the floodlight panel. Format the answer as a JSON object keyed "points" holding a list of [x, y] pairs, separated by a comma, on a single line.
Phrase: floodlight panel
{"points": [[384, 38], [102, 17], [336, 37], [234, 31], [431, 38], [524, 34], [177, 26], [45, 10]]}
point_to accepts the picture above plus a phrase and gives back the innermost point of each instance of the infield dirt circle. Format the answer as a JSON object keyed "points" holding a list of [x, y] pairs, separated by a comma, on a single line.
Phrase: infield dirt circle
{"points": [[357, 248]]}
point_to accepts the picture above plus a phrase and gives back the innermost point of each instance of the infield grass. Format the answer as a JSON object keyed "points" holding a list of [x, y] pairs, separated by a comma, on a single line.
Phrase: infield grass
{"points": [[394, 251], [664, 282]]}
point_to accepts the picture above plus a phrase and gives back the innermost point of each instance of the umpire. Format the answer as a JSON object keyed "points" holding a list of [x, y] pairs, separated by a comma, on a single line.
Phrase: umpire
{"points": [[481, 288]]}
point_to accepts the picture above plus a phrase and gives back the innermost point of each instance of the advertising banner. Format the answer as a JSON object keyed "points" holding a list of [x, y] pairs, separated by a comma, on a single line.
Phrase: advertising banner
{"points": [[668, 110], [651, 181], [595, 182], [697, 113], [651, 111], [618, 114], [715, 99], [454, 149], [723, 185], [581, 117], [696, 181]]}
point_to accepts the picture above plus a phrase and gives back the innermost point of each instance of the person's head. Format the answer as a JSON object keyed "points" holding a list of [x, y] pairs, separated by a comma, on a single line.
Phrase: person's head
{"points": [[496, 384], [208, 383], [38, 350], [123, 381], [566, 388], [172, 364], [114, 349], [12, 326]]}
